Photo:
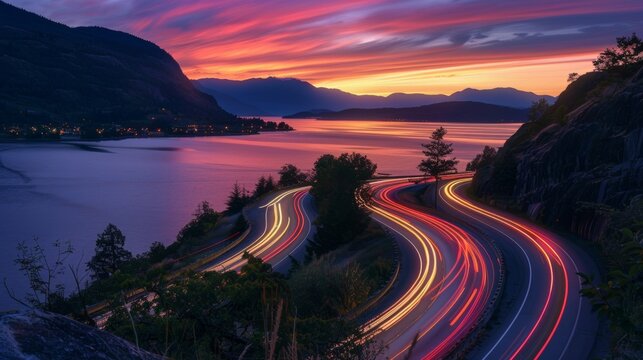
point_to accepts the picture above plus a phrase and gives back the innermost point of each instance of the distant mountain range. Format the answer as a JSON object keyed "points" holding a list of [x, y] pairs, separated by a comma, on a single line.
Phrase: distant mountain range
{"points": [[284, 96], [451, 111], [52, 72]]}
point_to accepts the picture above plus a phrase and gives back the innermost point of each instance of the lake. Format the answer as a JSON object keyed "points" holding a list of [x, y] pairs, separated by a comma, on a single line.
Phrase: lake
{"points": [[150, 187]]}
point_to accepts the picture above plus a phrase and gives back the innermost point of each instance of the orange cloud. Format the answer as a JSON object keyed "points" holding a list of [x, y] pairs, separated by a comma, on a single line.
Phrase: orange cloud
{"points": [[371, 46]]}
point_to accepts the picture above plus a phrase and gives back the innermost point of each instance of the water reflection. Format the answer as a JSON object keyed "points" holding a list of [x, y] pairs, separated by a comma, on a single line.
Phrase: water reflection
{"points": [[149, 187]]}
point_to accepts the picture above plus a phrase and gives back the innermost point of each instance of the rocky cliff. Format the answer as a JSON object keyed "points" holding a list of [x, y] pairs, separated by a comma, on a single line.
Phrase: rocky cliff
{"points": [[41, 335], [586, 150]]}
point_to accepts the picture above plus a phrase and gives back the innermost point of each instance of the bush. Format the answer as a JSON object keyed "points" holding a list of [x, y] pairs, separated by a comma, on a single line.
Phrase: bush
{"points": [[204, 220]]}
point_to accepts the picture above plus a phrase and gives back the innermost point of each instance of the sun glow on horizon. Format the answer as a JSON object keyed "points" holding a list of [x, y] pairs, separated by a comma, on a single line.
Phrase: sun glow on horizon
{"points": [[371, 46]]}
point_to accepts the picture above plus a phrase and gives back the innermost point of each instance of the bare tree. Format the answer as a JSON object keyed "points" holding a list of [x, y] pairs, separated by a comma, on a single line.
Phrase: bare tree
{"points": [[42, 271]]}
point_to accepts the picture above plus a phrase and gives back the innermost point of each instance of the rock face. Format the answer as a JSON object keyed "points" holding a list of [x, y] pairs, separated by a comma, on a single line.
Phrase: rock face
{"points": [[53, 72], [587, 148], [41, 335]]}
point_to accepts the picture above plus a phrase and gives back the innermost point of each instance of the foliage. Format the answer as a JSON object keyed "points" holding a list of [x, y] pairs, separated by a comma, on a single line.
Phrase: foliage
{"points": [[436, 152], [620, 296], [237, 199], [223, 315], [628, 51], [537, 110], [157, 252], [324, 290], [110, 253], [42, 272], [436, 161], [290, 175], [264, 186], [240, 224], [204, 220], [341, 193], [573, 76], [483, 159]]}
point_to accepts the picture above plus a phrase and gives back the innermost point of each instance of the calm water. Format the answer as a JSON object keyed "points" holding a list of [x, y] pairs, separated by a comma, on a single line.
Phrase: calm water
{"points": [[150, 187]]}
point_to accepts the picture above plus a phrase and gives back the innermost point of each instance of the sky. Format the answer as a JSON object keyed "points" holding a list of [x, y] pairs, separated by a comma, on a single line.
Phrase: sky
{"points": [[370, 46]]}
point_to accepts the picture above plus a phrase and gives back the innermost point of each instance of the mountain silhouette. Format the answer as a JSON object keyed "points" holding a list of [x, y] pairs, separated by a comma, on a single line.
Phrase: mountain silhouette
{"points": [[451, 111], [284, 96], [52, 72]]}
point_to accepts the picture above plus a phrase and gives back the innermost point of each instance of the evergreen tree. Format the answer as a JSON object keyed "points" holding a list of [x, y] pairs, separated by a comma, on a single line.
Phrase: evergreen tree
{"points": [[260, 187], [110, 253], [483, 159], [237, 199], [436, 161], [204, 220], [270, 184]]}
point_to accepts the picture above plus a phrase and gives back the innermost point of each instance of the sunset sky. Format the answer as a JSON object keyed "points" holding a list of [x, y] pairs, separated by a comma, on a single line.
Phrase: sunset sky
{"points": [[370, 46]]}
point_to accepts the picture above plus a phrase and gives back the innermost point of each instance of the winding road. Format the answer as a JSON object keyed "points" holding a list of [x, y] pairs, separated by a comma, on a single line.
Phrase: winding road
{"points": [[280, 225], [543, 315], [446, 282], [452, 271]]}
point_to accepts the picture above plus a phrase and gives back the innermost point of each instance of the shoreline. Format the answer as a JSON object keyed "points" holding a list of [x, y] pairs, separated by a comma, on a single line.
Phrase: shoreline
{"points": [[74, 140]]}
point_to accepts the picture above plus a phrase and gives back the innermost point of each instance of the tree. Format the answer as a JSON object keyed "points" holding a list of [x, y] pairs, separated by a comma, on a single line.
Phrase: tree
{"points": [[572, 77], [436, 161], [271, 185], [260, 187], [619, 295], [337, 184], [628, 51], [237, 199], [537, 109], [42, 272], [157, 252], [483, 159], [263, 186], [290, 175], [110, 253], [204, 220]]}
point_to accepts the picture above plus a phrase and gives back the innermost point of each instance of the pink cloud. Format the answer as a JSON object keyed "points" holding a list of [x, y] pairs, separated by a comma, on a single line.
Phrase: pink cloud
{"points": [[343, 40]]}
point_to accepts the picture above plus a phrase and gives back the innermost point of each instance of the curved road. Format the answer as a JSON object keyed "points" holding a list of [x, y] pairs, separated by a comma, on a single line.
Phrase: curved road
{"points": [[449, 274], [447, 278], [280, 225], [543, 315]]}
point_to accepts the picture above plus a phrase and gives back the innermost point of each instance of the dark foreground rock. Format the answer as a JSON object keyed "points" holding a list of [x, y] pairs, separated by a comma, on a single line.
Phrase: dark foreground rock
{"points": [[41, 335]]}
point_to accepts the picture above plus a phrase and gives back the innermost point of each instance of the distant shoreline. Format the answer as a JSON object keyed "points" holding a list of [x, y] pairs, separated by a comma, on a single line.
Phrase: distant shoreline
{"points": [[79, 139], [408, 120]]}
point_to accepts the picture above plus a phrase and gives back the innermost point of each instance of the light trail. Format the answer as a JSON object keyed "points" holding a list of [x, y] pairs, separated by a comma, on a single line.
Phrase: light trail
{"points": [[451, 279], [529, 337], [281, 231]]}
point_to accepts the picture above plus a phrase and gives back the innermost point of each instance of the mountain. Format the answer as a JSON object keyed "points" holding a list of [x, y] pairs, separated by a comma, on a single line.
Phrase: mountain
{"points": [[500, 96], [277, 96], [586, 149], [452, 111], [52, 72], [37, 334]]}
